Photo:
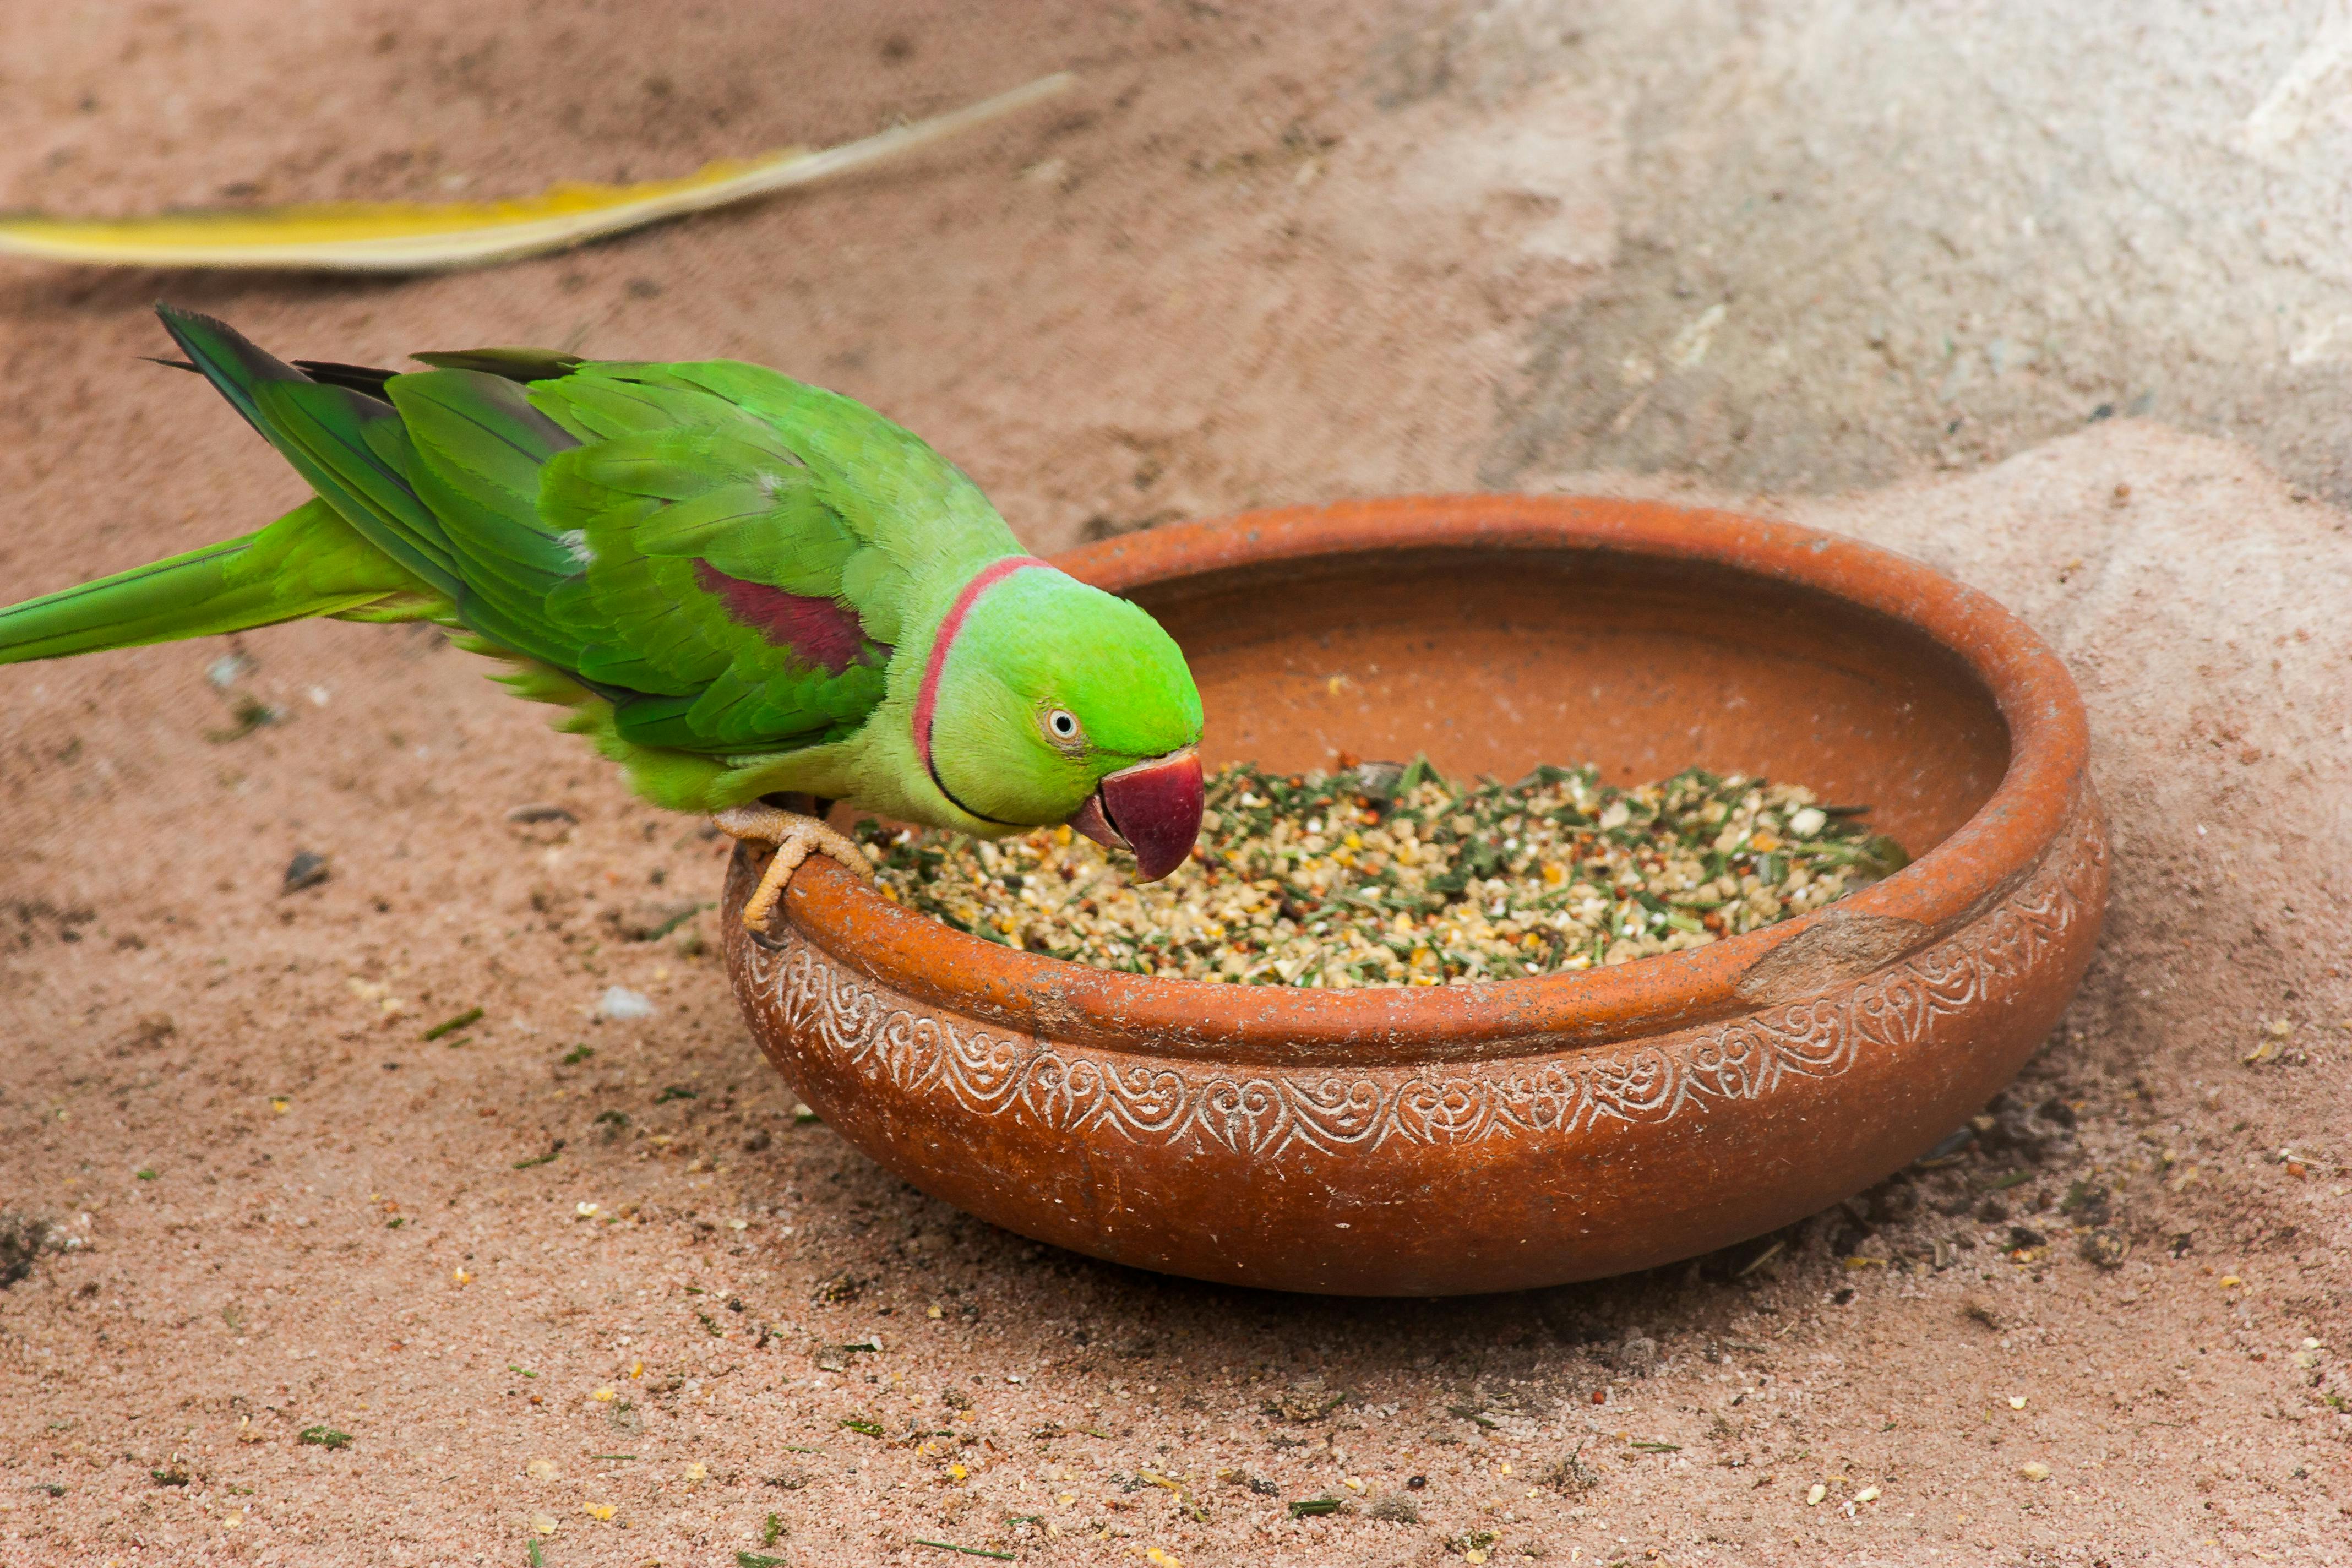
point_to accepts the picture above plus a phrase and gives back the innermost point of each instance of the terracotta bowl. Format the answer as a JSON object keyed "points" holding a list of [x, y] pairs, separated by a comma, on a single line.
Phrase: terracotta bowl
{"points": [[1510, 1133]]}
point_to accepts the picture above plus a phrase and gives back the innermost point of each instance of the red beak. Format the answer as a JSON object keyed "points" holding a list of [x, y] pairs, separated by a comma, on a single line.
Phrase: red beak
{"points": [[1152, 809]]}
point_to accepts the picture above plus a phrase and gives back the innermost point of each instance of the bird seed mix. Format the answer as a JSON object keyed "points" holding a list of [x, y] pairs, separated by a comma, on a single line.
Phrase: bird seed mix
{"points": [[1387, 875]]}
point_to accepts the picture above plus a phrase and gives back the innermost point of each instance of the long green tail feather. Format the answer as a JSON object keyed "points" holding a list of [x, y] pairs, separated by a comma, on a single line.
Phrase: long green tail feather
{"points": [[309, 562]]}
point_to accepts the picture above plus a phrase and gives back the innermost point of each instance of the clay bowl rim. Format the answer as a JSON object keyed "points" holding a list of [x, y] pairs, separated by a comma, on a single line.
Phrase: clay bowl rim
{"points": [[1213, 1021]]}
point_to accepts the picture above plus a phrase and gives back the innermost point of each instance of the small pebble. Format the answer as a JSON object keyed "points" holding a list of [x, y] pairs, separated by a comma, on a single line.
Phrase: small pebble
{"points": [[2034, 1471], [618, 1002]]}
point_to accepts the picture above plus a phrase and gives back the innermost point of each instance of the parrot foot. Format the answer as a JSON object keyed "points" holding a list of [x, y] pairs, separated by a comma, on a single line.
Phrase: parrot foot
{"points": [[795, 838]]}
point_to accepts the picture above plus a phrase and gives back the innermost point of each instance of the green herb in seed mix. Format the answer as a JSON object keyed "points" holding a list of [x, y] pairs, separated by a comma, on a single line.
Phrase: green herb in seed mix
{"points": [[1383, 875]]}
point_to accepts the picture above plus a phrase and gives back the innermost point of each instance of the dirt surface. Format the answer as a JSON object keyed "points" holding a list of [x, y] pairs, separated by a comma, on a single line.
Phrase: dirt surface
{"points": [[1261, 256]]}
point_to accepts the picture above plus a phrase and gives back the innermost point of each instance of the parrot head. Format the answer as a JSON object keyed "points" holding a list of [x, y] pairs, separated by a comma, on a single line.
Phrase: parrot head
{"points": [[1054, 703]]}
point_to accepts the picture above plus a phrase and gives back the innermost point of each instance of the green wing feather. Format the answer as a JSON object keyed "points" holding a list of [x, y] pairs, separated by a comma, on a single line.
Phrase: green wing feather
{"points": [[476, 451], [755, 476], [648, 510], [349, 446]]}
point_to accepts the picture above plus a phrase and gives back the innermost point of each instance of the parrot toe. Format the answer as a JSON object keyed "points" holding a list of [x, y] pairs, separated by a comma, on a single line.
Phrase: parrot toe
{"points": [[795, 837]]}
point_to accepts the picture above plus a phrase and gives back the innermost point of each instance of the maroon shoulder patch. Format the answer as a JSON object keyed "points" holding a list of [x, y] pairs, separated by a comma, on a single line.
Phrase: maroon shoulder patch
{"points": [[817, 631]]}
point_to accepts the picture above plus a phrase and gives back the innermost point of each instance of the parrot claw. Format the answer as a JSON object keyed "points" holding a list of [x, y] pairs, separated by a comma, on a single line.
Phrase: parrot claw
{"points": [[796, 837]]}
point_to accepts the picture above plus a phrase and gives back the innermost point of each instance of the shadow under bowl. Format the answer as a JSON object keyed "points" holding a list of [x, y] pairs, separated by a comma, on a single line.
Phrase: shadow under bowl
{"points": [[1508, 1133]]}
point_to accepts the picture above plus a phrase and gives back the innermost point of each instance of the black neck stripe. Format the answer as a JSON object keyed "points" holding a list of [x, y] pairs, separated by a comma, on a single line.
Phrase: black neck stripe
{"points": [[939, 785]]}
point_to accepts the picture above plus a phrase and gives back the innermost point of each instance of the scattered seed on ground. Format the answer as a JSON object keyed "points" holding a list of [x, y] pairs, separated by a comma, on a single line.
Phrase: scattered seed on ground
{"points": [[1384, 875]]}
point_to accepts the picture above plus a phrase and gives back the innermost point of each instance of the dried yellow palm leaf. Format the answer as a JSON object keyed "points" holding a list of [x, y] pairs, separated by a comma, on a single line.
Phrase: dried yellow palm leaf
{"points": [[423, 236]]}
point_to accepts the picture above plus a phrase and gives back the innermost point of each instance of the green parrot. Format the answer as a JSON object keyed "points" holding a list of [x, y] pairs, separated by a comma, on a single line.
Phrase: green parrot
{"points": [[738, 586]]}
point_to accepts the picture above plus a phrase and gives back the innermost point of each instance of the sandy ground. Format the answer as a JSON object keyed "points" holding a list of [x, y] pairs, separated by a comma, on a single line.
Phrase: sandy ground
{"points": [[1262, 256]]}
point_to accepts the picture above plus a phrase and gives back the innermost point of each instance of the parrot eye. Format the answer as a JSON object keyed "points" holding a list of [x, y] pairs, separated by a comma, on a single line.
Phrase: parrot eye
{"points": [[1062, 726]]}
